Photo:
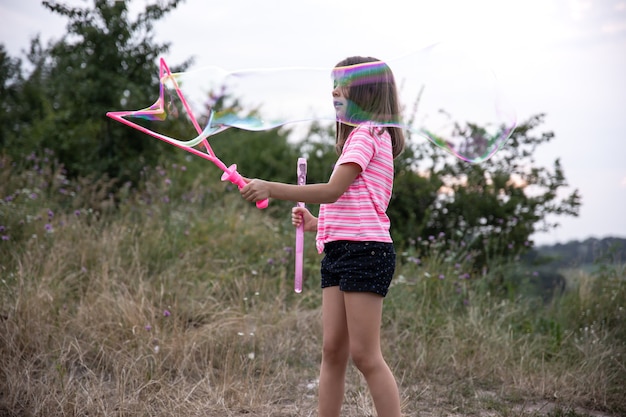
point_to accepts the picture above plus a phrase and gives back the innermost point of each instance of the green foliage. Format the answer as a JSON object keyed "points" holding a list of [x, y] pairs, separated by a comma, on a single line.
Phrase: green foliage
{"points": [[10, 79], [600, 302], [412, 202], [37, 197], [106, 61], [579, 253], [495, 206]]}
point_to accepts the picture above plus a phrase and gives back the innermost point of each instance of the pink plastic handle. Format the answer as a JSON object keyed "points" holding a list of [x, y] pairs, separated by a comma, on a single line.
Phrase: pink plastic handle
{"points": [[301, 171], [231, 174]]}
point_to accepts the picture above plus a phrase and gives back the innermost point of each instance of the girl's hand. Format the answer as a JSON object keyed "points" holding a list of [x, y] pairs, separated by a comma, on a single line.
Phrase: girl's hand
{"points": [[255, 190], [300, 215]]}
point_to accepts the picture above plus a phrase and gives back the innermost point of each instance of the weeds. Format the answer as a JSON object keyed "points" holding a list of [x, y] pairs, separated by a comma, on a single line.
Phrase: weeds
{"points": [[173, 300]]}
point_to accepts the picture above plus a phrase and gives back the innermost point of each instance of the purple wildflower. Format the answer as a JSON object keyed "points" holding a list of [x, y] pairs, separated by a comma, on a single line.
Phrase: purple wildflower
{"points": [[415, 260]]}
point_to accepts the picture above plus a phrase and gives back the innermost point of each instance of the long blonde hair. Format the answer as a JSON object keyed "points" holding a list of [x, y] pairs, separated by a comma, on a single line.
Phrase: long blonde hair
{"points": [[372, 96]]}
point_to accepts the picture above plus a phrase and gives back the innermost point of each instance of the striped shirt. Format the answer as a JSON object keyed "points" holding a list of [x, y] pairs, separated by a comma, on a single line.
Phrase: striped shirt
{"points": [[360, 213]]}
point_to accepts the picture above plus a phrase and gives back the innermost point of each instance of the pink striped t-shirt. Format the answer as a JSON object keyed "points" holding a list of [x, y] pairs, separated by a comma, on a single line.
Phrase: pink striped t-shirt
{"points": [[360, 213]]}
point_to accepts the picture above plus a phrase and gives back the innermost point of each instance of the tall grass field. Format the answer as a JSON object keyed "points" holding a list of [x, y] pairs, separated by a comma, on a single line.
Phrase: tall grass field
{"points": [[176, 299]]}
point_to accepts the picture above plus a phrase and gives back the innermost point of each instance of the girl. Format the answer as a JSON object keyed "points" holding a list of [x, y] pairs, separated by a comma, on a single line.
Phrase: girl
{"points": [[353, 230]]}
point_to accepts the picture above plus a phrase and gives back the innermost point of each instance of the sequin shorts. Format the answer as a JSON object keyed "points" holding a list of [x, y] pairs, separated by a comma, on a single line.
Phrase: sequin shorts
{"points": [[358, 266]]}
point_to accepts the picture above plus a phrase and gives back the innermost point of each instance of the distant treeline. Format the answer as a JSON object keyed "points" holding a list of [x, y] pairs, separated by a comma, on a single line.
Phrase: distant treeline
{"points": [[577, 253]]}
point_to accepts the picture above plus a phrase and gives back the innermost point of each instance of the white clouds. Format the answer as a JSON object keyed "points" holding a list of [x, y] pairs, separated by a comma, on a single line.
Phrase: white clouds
{"points": [[613, 28], [579, 8]]}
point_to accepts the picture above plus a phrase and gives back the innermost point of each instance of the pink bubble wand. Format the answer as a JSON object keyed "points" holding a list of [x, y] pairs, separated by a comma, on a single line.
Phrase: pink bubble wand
{"points": [[301, 172], [157, 112]]}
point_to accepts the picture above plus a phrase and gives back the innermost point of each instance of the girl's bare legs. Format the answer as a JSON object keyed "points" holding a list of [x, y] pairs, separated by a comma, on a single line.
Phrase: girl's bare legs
{"points": [[335, 352], [363, 315]]}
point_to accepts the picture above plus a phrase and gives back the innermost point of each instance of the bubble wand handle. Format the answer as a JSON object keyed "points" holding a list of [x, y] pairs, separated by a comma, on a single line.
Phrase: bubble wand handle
{"points": [[231, 174], [301, 172]]}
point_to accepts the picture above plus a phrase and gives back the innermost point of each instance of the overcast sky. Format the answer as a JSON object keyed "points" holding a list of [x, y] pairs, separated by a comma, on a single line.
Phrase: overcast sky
{"points": [[565, 58]]}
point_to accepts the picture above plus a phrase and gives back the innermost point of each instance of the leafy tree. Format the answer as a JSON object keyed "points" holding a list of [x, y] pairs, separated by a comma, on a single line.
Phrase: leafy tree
{"points": [[106, 61], [494, 207], [26, 108], [10, 83]]}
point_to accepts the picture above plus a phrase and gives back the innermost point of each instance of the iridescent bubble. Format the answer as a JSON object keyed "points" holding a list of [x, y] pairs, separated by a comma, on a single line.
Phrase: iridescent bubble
{"points": [[448, 97], [460, 107]]}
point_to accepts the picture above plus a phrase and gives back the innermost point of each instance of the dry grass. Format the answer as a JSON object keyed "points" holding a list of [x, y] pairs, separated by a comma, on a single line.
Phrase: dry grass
{"points": [[188, 310]]}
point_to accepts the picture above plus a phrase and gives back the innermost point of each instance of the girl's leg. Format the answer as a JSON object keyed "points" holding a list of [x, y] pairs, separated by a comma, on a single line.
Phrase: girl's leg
{"points": [[363, 314], [335, 353]]}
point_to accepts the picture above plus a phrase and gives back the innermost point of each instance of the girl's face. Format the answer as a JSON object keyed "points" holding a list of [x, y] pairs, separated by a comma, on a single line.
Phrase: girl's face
{"points": [[340, 101]]}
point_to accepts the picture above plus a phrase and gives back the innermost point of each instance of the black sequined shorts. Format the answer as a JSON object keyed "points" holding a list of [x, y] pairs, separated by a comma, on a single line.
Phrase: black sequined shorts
{"points": [[358, 266]]}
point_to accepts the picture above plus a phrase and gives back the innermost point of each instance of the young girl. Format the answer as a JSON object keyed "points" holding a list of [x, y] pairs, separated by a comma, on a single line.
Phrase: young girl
{"points": [[353, 231]]}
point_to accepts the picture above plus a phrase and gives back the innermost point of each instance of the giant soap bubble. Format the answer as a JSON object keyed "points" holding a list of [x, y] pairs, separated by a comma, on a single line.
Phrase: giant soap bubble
{"points": [[448, 97]]}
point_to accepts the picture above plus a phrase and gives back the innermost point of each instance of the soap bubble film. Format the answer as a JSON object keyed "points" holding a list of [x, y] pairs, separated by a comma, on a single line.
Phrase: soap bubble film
{"points": [[448, 97]]}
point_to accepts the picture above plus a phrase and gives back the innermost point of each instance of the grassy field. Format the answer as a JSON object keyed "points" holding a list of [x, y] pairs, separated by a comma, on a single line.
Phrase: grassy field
{"points": [[180, 302]]}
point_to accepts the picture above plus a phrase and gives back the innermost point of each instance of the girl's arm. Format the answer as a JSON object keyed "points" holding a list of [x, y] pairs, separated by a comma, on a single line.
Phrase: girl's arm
{"points": [[329, 192]]}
